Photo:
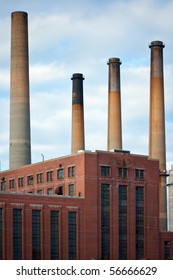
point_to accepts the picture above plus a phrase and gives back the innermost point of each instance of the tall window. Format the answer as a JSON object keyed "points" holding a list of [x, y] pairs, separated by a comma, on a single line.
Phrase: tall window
{"points": [[30, 180], [105, 171], [3, 185], [17, 234], [122, 222], [105, 221], [20, 182], [71, 190], [71, 171], [72, 236], [166, 250], [139, 223], [11, 183], [36, 240], [54, 235], [1, 243], [50, 191], [40, 178], [60, 173], [49, 176]]}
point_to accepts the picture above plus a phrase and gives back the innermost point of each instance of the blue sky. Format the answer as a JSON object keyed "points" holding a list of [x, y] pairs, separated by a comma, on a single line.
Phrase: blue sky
{"points": [[66, 37]]}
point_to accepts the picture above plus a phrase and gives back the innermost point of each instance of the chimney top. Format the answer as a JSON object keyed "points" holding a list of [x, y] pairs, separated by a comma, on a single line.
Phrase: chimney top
{"points": [[114, 60], [77, 76], [156, 44]]}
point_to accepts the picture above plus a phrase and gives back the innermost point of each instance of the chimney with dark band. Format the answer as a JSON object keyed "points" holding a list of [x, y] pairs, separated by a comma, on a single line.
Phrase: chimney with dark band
{"points": [[114, 106], [78, 134]]}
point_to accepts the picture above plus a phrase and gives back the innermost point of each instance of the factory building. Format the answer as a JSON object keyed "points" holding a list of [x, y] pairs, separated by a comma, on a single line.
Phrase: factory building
{"points": [[87, 205]]}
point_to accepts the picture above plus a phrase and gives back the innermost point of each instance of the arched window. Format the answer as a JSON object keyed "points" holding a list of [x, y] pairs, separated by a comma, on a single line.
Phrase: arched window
{"points": [[59, 190]]}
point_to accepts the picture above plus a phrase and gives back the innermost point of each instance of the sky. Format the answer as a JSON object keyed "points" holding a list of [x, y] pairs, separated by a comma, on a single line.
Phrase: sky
{"points": [[80, 36]]}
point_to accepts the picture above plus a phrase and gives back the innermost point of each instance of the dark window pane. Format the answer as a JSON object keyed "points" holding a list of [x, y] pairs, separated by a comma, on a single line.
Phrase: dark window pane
{"points": [[122, 222], [72, 235], [54, 235], [105, 221], [36, 241], [17, 234]]}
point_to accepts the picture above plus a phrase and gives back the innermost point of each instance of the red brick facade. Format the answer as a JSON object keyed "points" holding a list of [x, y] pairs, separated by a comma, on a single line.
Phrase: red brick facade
{"points": [[85, 173]]}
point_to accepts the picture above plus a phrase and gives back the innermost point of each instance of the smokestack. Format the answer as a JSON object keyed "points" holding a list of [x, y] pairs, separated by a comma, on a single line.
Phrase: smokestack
{"points": [[114, 106], [78, 136], [20, 147], [157, 147]]}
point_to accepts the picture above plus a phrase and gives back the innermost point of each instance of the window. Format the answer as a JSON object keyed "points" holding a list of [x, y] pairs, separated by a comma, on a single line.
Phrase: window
{"points": [[1, 249], [49, 191], [60, 173], [59, 190], [122, 172], [105, 222], [30, 180], [20, 182], [17, 234], [71, 171], [54, 228], [71, 190], [139, 174], [40, 178], [3, 185], [72, 235], [49, 176], [105, 171], [166, 250], [122, 222], [11, 184], [36, 240], [139, 223], [40, 192]]}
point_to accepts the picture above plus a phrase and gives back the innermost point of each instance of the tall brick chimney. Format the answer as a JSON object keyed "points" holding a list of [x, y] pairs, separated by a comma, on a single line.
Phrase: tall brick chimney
{"points": [[78, 134], [157, 147], [114, 106], [20, 144]]}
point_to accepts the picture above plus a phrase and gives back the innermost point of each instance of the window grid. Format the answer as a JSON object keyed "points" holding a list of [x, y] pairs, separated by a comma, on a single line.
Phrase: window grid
{"points": [[139, 223], [36, 238], [17, 234], [122, 222], [105, 171], [105, 221], [72, 235], [54, 235]]}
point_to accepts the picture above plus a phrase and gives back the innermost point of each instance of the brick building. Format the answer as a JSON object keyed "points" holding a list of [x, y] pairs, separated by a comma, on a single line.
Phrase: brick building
{"points": [[92, 205], [88, 205]]}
